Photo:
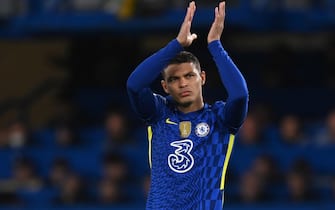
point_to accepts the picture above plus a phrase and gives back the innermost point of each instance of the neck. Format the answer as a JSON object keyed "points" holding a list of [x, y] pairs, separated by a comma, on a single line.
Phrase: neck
{"points": [[187, 108]]}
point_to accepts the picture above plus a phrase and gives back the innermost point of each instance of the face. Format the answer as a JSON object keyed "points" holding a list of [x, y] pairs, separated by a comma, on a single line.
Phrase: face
{"points": [[184, 83]]}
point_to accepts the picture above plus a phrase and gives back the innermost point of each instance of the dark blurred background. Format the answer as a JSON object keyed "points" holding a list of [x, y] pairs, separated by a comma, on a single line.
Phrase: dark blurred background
{"points": [[69, 139]]}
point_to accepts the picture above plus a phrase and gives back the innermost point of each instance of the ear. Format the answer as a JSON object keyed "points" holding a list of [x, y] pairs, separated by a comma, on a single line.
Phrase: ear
{"points": [[203, 77], [164, 85]]}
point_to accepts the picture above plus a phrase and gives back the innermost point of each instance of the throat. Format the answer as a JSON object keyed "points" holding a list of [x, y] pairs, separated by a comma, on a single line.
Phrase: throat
{"points": [[190, 107]]}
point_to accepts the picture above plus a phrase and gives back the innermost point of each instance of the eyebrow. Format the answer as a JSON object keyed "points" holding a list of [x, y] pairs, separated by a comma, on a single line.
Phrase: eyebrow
{"points": [[189, 72]]}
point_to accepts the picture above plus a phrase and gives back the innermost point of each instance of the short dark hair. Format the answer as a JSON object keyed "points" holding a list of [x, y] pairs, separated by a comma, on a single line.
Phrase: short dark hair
{"points": [[184, 57]]}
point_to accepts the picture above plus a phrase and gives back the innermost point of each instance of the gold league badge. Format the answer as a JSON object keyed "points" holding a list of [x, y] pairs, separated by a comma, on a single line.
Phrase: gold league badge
{"points": [[185, 128]]}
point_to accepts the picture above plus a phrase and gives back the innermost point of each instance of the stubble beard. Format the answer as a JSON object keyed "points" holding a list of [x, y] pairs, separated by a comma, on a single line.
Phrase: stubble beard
{"points": [[185, 104]]}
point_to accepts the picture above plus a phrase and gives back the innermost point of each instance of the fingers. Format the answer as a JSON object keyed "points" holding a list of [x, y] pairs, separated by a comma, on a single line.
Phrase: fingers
{"points": [[185, 38], [220, 11], [193, 8], [190, 12], [222, 8], [217, 27]]}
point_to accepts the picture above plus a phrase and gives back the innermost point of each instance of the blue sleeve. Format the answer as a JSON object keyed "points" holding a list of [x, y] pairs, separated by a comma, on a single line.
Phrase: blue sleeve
{"points": [[144, 102], [235, 109]]}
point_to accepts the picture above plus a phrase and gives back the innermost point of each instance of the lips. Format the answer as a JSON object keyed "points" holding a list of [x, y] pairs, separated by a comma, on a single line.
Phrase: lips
{"points": [[185, 93]]}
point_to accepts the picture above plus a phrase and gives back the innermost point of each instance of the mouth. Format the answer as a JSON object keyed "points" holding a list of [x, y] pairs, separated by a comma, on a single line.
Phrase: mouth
{"points": [[185, 93]]}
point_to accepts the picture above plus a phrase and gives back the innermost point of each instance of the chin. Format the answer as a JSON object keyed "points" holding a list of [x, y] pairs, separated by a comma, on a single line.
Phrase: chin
{"points": [[185, 103]]}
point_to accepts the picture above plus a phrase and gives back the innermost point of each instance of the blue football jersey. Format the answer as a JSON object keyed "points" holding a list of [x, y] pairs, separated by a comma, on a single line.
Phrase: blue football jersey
{"points": [[188, 156], [188, 153]]}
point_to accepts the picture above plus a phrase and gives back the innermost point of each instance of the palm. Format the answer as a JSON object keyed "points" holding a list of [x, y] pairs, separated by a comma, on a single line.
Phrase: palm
{"points": [[185, 38]]}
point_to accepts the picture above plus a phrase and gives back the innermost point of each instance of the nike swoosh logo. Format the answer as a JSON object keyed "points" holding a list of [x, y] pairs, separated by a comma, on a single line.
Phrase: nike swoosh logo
{"points": [[168, 121]]}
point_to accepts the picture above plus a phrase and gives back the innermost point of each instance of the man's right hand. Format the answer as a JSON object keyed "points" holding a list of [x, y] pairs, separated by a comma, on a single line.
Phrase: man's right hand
{"points": [[185, 38]]}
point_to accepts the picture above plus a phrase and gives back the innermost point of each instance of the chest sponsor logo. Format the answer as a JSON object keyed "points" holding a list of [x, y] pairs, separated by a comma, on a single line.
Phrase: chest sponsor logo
{"points": [[182, 160], [202, 129]]}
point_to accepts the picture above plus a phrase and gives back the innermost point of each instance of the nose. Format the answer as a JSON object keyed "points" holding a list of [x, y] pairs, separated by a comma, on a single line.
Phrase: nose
{"points": [[182, 83]]}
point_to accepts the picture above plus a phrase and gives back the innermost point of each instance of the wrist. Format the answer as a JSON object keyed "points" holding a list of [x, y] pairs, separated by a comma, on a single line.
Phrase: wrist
{"points": [[180, 42], [177, 44], [211, 41]]}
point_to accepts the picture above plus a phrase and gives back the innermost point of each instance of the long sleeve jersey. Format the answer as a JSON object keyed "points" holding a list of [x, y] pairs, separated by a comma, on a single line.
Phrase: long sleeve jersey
{"points": [[188, 152]]}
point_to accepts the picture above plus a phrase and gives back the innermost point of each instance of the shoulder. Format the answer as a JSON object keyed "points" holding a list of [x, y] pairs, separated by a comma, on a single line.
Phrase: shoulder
{"points": [[164, 102], [164, 106], [160, 99]]}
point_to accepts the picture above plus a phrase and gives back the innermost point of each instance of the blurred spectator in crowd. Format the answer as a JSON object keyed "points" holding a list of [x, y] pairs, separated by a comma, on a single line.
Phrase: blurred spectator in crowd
{"points": [[72, 191], [251, 189], [264, 114], [59, 171], [18, 134], [24, 177], [290, 130], [250, 132], [115, 168], [111, 192], [115, 176], [3, 138], [117, 129], [326, 135], [266, 170], [146, 185], [66, 136], [122, 8], [299, 183]]}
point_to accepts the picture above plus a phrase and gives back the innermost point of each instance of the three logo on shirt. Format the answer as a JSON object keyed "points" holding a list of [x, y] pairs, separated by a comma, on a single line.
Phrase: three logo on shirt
{"points": [[181, 161]]}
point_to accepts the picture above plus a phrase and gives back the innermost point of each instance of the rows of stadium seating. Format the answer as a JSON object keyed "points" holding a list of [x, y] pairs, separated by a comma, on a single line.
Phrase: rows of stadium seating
{"points": [[87, 157]]}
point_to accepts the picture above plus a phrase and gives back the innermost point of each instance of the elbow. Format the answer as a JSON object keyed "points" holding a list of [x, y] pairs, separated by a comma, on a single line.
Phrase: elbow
{"points": [[243, 98], [240, 98], [243, 95], [241, 92]]}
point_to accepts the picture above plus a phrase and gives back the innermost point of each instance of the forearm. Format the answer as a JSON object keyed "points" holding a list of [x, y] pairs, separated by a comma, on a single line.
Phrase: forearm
{"points": [[151, 67], [237, 102], [231, 77], [141, 97]]}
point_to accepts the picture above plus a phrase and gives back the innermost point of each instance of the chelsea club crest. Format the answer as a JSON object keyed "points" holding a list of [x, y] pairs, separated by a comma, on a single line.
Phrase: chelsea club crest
{"points": [[202, 129]]}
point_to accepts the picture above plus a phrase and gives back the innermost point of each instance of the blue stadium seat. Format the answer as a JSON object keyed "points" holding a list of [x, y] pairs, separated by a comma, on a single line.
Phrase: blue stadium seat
{"points": [[321, 158], [44, 137], [43, 197], [92, 137], [242, 158], [7, 158]]}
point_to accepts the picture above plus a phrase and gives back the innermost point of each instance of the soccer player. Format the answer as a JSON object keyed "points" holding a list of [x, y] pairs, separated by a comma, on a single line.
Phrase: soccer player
{"points": [[189, 141]]}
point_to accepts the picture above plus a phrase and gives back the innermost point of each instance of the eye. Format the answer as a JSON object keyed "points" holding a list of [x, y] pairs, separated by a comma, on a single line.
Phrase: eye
{"points": [[172, 79], [189, 75]]}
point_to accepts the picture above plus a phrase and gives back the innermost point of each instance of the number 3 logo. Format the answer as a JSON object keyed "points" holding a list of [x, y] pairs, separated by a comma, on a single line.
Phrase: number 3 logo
{"points": [[182, 160]]}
